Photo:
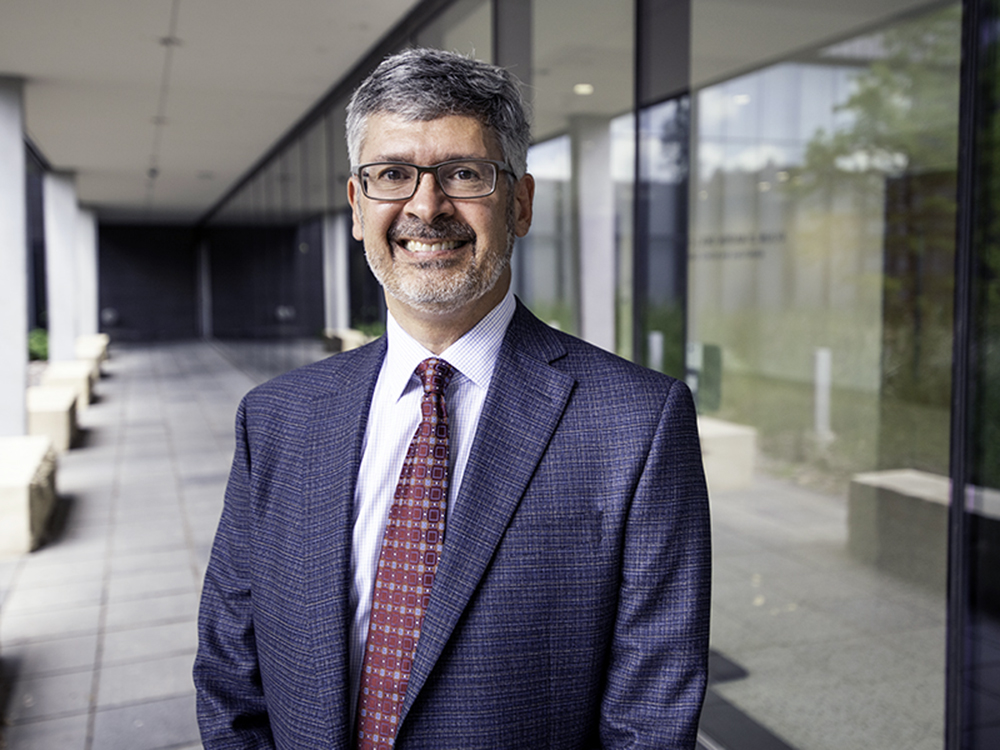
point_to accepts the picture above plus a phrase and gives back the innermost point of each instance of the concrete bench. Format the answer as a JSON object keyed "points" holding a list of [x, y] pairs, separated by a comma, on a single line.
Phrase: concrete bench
{"points": [[77, 374], [27, 492], [344, 339], [92, 349], [728, 453], [898, 521], [52, 413], [92, 346]]}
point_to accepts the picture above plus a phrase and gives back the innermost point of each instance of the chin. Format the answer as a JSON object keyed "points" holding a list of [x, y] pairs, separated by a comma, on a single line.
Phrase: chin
{"points": [[442, 295], [436, 299]]}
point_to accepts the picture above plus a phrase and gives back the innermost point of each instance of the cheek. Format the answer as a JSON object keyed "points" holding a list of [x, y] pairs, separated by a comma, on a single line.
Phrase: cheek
{"points": [[373, 224]]}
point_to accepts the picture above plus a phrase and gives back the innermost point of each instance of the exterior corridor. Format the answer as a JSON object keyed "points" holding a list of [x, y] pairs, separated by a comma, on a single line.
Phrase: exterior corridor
{"points": [[97, 628]]}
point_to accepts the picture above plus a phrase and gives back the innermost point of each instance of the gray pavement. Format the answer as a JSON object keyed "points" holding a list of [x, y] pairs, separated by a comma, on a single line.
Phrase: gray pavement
{"points": [[97, 628]]}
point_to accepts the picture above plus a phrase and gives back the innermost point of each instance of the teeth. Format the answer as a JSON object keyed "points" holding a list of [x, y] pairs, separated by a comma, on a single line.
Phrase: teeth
{"points": [[420, 247]]}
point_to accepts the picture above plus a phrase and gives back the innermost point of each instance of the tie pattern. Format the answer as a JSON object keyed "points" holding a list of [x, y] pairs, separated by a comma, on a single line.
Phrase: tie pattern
{"points": [[411, 546]]}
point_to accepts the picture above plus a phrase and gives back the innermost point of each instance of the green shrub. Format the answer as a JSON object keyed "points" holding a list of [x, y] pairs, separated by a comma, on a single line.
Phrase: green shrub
{"points": [[38, 344], [374, 330]]}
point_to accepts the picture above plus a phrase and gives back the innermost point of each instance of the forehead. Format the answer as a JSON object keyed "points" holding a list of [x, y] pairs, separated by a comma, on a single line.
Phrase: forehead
{"points": [[391, 137]]}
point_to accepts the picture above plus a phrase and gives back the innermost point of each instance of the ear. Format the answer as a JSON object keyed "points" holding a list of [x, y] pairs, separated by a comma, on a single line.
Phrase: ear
{"points": [[524, 196], [353, 197]]}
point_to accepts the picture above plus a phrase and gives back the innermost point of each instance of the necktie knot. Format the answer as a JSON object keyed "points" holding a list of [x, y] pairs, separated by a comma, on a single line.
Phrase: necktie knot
{"points": [[435, 374]]}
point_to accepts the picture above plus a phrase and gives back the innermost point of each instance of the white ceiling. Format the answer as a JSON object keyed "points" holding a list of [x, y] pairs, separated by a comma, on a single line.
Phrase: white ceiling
{"points": [[241, 73]]}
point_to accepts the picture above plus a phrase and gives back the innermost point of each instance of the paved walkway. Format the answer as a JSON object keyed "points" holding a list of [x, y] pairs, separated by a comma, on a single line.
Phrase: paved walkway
{"points": [[97, 628]]}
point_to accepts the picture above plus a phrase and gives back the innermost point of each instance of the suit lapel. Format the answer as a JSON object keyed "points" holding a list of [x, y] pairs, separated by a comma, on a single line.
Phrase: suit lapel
{"points": [[526, 401], [335, 437]]}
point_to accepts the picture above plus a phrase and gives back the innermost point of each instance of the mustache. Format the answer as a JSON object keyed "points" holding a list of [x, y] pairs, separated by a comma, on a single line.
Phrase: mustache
{"points": [[411, 228]]}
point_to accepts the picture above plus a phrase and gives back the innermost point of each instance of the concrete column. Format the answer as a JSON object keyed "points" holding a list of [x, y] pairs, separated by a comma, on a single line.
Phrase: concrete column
{"points": [[13, 262], [596, 212], [86, 271], [59, 198], [336, 271]]}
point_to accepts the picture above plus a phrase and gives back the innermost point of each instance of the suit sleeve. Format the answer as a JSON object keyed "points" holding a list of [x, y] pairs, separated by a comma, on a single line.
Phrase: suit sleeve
{"points": [[232, 711], [659, 659]]}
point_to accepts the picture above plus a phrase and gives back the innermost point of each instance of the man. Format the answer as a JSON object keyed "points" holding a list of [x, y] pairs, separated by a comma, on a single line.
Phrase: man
{"points": [[538, 575]]}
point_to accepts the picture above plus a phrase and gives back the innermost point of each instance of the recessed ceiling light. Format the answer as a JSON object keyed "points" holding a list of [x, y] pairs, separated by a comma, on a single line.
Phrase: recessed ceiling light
{"points": [[583, 89], [742, 99]]}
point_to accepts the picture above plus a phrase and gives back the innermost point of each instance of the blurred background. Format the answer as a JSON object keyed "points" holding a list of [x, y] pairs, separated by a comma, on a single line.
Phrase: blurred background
{"points": [[787, 203]]}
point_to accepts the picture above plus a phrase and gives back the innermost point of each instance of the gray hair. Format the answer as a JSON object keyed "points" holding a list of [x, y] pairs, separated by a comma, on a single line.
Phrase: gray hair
{"points": [[425, 84]]}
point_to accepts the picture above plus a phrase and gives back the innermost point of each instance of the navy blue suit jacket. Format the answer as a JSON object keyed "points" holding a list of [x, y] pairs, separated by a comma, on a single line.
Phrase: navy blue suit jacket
{"points": [[571, 603]]}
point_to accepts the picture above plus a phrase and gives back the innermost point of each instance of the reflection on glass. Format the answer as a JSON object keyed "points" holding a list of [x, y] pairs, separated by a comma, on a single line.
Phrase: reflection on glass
{"points": [[581, 81], [623, 181], [544, 262], [338, 167], [292, 178], [820, 317], [664, 135], [314, 162]]}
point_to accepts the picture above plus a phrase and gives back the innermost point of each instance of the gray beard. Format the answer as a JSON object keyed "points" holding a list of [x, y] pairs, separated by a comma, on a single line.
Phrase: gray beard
{"points": [[447, 295]]}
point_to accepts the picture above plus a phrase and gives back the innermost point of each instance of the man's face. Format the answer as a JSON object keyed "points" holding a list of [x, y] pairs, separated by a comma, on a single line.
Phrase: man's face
{"points": [[432, 253]]}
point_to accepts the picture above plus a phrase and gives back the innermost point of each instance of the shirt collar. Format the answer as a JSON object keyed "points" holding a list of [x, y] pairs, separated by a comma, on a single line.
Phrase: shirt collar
{"points": [[474, 355]]}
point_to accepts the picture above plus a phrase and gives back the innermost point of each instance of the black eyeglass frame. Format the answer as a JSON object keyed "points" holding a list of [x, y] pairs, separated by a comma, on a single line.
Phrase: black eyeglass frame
{"points": [[500, 166]]}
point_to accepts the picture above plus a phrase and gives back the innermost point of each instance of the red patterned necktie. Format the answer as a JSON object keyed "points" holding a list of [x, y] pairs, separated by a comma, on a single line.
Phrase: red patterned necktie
{"points": [[411, 546]]}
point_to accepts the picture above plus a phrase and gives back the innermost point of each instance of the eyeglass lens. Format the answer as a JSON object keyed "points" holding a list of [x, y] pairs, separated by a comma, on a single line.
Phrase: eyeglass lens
{"points": [[458, 179]]}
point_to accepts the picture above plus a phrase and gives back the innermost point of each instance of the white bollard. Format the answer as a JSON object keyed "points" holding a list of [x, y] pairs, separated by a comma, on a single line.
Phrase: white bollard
{"points": [[823, 370]]}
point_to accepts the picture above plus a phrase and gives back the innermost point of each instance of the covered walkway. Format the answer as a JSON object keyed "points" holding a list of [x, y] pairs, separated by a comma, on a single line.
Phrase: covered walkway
{"points": [[97, 628]]}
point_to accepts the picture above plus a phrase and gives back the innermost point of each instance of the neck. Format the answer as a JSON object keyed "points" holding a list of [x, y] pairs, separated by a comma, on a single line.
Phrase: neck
{"points": [[438, 331]]}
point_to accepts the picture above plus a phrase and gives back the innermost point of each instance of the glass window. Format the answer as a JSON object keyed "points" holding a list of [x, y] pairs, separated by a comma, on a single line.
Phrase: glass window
{"points": [[820, 342], [664, 132], [544, 263], [338, 162], [580, 79], [314, 166], [292, 180]]}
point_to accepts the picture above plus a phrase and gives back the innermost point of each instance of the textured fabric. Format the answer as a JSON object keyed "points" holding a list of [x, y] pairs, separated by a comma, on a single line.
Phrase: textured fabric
{"points": [[525, 642], [392, 418], [414, 535]]}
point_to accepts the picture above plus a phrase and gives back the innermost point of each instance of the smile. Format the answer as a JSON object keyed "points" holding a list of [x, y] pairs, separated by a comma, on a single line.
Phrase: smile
{"points": [[415, 246]]}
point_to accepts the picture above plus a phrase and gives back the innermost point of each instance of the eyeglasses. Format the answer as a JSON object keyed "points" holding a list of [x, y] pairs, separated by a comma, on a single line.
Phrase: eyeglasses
{"points": [[459, 178]]}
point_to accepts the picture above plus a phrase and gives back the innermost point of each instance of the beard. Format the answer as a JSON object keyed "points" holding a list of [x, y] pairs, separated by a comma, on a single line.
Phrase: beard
{"points": [[440, 286]]}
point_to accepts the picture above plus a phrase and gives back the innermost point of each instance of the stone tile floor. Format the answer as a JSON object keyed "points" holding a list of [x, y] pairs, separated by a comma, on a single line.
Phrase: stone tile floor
{"points": [[97, 628]]}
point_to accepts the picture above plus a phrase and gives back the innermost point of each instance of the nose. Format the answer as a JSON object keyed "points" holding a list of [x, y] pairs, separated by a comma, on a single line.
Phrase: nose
{"points": [[429, 201]]}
